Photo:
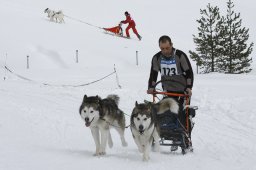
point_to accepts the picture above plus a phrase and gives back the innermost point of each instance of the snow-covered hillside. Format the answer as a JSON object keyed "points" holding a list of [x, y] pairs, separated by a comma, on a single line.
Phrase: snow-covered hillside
{"points": [[40, 127]]}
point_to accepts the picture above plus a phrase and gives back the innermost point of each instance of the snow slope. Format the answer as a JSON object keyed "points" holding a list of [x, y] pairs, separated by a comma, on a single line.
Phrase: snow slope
{"points": [[40, 127]]}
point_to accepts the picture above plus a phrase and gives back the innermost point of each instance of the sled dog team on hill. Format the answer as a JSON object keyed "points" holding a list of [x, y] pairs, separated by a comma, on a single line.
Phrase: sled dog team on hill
{"points": [[58, 17]]}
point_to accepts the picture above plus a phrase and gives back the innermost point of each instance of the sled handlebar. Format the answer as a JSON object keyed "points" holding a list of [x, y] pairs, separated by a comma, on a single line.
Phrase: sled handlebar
{"points": [[154, 93], [170, 94]]}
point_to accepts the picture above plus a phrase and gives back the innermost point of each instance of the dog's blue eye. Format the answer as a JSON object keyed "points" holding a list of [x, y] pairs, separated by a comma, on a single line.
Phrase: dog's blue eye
{"points": [[84, 111], [91, 111], [138, 118]]}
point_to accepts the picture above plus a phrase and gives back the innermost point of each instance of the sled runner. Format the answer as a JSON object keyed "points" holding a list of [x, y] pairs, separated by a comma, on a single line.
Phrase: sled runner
{"points": [[120, 36], [174, 130]]}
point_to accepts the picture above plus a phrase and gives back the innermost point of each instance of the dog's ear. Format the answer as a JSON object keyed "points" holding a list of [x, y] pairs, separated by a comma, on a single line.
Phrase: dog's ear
{"points": [[85, 97], [136, 104], [148, 102], [98, 99]]}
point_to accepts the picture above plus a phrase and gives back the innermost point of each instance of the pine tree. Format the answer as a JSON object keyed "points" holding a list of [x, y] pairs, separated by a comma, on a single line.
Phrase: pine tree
{"points": [[235, 58], [207, 41]]}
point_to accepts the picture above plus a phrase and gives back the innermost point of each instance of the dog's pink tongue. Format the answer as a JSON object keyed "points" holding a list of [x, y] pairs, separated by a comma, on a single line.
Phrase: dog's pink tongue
{"points": [[87, 124]]}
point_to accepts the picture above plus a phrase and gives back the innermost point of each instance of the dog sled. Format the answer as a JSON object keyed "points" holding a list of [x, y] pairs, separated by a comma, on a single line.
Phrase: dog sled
{"points": [[117, 30], [175, 131]]}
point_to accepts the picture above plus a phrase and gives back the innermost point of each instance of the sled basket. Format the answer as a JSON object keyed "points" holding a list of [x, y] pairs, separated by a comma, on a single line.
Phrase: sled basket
{"points": [[116, 30], [167, 121]]}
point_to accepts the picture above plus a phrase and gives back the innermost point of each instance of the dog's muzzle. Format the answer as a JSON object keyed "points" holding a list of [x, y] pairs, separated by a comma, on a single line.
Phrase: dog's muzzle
{"points": [[87, 123], [141, 129], [141, 132]]}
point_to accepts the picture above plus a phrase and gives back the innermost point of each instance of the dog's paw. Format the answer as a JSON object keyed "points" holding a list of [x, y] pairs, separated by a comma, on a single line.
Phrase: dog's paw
{"points": [[99, 154], [96, 154], [145, 158], [102, 153]]}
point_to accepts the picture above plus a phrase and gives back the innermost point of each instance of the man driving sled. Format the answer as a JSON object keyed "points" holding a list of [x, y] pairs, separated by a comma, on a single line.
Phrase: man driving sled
{"points": [[176, 74]]}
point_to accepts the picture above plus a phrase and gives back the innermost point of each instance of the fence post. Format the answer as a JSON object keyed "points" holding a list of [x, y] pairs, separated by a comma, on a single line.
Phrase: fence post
{"points": [[196, 68], [76, 56], [5, 66], [27, 62], [137, 58]]}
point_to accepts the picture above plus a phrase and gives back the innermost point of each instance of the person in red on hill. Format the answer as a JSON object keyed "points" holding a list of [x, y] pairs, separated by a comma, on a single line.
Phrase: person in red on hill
{"points": [[131, 24]]}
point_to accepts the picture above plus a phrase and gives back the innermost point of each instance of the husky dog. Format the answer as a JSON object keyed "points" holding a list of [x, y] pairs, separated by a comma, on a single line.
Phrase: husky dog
{"points": [[144, 125], [50, 13], [55, 16], [59, 17], [144, 128], [100, 114]]}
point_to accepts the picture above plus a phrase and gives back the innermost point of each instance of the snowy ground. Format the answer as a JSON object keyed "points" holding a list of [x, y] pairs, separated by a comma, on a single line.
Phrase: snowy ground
{"points": [[40, 127]]}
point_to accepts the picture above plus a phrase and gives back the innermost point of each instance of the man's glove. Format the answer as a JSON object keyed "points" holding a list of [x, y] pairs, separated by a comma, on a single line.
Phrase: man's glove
{"points": [[189, 91], [150, 90]]}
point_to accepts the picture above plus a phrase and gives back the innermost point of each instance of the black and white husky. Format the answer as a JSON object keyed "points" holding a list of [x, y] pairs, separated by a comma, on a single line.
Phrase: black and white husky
{"points": [[144, 125], [144, 128], [101, 114], [56, 16]]}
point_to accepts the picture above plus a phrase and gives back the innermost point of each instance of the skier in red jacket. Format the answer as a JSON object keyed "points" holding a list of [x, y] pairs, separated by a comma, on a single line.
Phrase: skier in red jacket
{"points": [[131, 24]]}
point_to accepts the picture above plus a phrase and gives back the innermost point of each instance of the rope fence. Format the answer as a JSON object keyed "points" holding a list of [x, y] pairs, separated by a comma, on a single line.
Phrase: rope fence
{"points": [[79, 85]]}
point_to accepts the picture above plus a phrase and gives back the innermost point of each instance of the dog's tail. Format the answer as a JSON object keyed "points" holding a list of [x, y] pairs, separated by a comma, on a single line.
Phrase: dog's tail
{"points": [[168, 104], [59, 12], [114, 97]]}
